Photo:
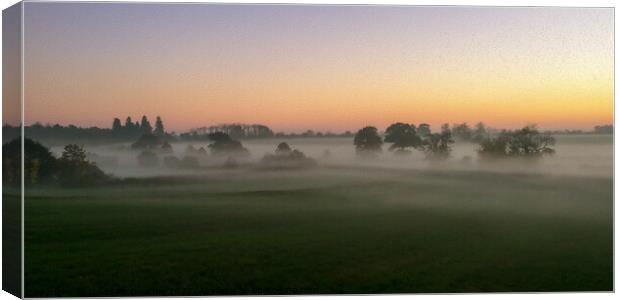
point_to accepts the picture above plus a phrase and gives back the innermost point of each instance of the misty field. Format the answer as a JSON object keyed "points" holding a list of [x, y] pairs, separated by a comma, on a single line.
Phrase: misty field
{"points": [[333, 229]]}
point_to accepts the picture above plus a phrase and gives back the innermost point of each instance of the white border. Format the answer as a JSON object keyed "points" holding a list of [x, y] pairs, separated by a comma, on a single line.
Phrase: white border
{"points": [[574, 3]]}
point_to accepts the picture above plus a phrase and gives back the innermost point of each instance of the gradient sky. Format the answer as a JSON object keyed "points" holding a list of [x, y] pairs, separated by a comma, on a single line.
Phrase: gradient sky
{"points": [[322, 67]]}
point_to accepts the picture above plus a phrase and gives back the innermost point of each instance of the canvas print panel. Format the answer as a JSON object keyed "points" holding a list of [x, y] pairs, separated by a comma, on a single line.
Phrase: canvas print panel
{"points": [[209, 149]]}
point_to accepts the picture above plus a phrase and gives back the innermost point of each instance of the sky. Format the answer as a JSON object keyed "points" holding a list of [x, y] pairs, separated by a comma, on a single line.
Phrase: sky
{"points": [[328, 68]]}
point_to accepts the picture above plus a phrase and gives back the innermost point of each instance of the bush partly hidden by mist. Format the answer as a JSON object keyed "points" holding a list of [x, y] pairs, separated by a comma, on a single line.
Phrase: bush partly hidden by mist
{"points": [[286, 158], [525, 142], [41, 167], [224, 145]]}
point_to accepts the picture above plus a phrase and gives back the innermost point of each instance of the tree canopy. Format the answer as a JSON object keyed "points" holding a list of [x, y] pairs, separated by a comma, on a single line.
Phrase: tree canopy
{"points": [[402, 136], [224, 145], [437, 145], [367, 141], [525, 142]]}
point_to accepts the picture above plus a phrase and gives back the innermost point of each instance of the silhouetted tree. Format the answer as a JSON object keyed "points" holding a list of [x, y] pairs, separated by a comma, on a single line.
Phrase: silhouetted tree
{"points": [[39, 163], [528, 141], [287, 158], [480, 132], [224, 145], [367, 141], [402, 136], [283, 148], [74, 153], [462, 132], [129, 124], [75, 169], [437, 145], [424, 130], [159, 127], [525, 142], [145, 125], [116, 125]]}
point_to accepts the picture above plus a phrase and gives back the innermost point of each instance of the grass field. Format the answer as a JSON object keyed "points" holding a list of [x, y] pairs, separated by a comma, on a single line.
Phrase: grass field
{"points": [[322, 231]]}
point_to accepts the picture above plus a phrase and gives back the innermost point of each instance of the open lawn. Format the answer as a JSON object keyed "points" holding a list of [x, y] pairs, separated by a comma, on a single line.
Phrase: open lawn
{"points": [[321, 231]]}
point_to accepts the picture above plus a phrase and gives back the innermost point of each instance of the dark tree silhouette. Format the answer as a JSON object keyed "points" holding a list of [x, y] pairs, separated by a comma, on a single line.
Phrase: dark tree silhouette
{"points": [[287, 158], [283, 148], [525, 142], [129, 124], [39, 163], [74, 153], [462, 132], [145, 125], [75, 169], [437, 145], [367, 141], [116, 125], [224, 145], [40, 166], [159, 127], [480, 132], [402, 136], [424, 130]]}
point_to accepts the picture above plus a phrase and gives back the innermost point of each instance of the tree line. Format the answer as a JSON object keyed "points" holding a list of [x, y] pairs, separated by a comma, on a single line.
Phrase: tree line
{"points": [[404, 138], [59, 134], [42, 167], [129, 131], [138, 128]]}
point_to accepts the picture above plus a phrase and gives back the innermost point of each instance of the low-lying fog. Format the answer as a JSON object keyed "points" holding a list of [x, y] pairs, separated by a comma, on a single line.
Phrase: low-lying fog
{"points": [[579, 155]]}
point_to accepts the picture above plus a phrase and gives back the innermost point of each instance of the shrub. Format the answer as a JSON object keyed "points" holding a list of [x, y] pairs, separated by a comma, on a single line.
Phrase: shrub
{"points": [[224, 145], [286, 158]]}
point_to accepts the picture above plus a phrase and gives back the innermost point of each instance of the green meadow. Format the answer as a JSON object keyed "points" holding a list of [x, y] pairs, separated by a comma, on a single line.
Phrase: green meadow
{"points": [[326, 230]]}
